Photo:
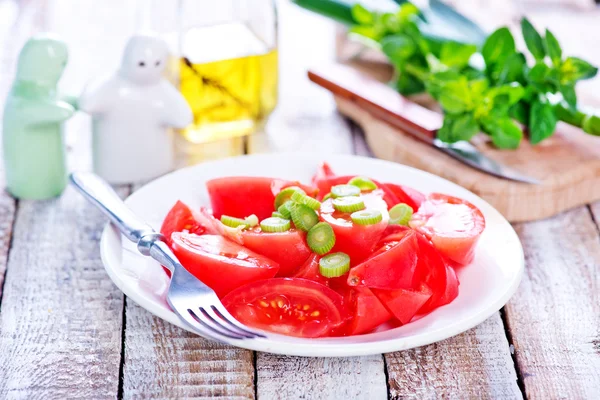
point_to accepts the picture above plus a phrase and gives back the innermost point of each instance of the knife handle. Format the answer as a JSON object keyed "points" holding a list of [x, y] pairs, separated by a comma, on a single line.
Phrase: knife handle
{"points": [[378, 99]]}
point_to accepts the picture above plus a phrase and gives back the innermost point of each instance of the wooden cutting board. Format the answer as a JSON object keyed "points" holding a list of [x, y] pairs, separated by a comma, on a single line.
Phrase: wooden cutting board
{"points": [[567, 164]]}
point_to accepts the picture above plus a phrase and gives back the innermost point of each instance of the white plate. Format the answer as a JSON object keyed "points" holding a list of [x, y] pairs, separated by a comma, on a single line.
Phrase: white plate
{"points": [[485, 285]]}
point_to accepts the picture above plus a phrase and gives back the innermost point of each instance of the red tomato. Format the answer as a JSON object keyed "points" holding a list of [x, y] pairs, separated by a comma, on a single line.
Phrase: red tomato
{"points": [[288, 249], [324, 171], [434, 271], [403, 303], [355, 240], [452, 224], [310, 270], [180, 218], [289, 306], [220, 263], [324, 185], [367, 311], [390, 267], [403, 194], [241, 196]]}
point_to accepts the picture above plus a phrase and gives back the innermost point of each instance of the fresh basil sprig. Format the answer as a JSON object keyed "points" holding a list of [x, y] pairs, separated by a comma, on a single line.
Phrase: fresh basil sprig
{"points": [[482, 84]]}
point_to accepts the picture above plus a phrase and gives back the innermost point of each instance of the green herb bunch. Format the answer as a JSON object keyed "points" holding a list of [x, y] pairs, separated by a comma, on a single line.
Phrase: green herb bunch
{"points": [[484, 87]]}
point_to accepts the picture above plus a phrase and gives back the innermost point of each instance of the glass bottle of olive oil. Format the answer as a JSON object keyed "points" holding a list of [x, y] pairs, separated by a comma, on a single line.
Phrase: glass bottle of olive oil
{"points": [[228, 75]]}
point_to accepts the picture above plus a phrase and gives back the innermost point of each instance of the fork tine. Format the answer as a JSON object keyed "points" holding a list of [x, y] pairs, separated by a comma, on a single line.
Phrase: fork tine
{"points": [[225, 315], [218, 319], [188, 319], [201, 318]]}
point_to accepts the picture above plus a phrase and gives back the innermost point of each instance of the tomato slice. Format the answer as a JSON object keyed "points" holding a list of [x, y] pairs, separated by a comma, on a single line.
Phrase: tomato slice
{"points": [[324, 171], [453, 225], [403, 194], [178, 219], [220, 263], [367, 311], [390, 267], [288, 249], [355, 240], [289, 306], [310, 270], [433, 270], [241, 196], [403, 303]]}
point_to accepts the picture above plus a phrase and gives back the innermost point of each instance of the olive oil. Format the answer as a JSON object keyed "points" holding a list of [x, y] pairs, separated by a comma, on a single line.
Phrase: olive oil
{"points": [[229, 78]]}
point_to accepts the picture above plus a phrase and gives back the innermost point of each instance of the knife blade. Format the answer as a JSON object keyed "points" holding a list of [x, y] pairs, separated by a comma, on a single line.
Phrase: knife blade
{"points": [[385, 103]]}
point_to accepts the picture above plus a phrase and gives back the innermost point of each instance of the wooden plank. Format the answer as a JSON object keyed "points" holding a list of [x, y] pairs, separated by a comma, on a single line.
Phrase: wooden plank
{"points": [[475, 364], [60, 326], [554, 318], [162, 360], [282, 377]]}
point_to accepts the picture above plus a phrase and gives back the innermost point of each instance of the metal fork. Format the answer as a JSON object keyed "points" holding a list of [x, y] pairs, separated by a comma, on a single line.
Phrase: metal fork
{"points": [[195, 303]]}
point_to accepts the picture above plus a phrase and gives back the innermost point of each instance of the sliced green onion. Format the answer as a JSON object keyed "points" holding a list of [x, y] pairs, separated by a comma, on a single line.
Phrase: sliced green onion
{"points": [[334, 265], [251, 220], [344, 190], [286, 209], [400, 214], [366, 217], [348, 204], [304, 217], [278, 215], [362, 183], [327, 196], [320, 238], [233, 222], [286, 194], [306, 200], [274, 224]]}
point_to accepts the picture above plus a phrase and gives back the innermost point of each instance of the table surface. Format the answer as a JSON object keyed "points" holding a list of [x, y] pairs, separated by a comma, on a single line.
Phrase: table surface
{"points": [[67, 332]]}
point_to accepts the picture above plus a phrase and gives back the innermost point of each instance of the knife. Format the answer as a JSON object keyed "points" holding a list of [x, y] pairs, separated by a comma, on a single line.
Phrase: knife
{"points": [[385, 103]]}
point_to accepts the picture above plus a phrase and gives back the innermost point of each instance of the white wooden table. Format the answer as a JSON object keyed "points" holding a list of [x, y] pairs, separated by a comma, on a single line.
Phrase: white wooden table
{"points": [[67, 332]]}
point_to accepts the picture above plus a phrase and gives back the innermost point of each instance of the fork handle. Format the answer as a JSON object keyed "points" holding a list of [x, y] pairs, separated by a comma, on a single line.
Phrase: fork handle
{"points": [[99, 192]]}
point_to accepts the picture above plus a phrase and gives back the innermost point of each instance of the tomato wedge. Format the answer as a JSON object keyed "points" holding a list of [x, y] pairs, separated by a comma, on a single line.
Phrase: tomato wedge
{"points": [[178, 219], [403, 194], [367, 311], [433, 270], [390, 267], [241, 196], [404, 303], [358, 241], [220, 263], [453, 225], [289, 306], [288, 249], [323, 172], [310, 270]]}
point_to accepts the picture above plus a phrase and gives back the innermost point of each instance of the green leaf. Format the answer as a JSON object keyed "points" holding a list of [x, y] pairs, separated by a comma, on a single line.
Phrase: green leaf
{"points": [[538, 78], [407, 12], [569, 95], [361, 15], [370, 32], [456, 54], [498, 47], [512, 70], [407, 84], [574, 69], [533, 40], [553, 48], [520, 112], [542, 121], [398, 48], [513, 92], [458, 127], [436, 81], [455, 97], [504, 132]]}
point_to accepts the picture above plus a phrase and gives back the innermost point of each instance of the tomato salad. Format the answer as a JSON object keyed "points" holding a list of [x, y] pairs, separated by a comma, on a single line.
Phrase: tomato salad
{"points": [[339, 257]]}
